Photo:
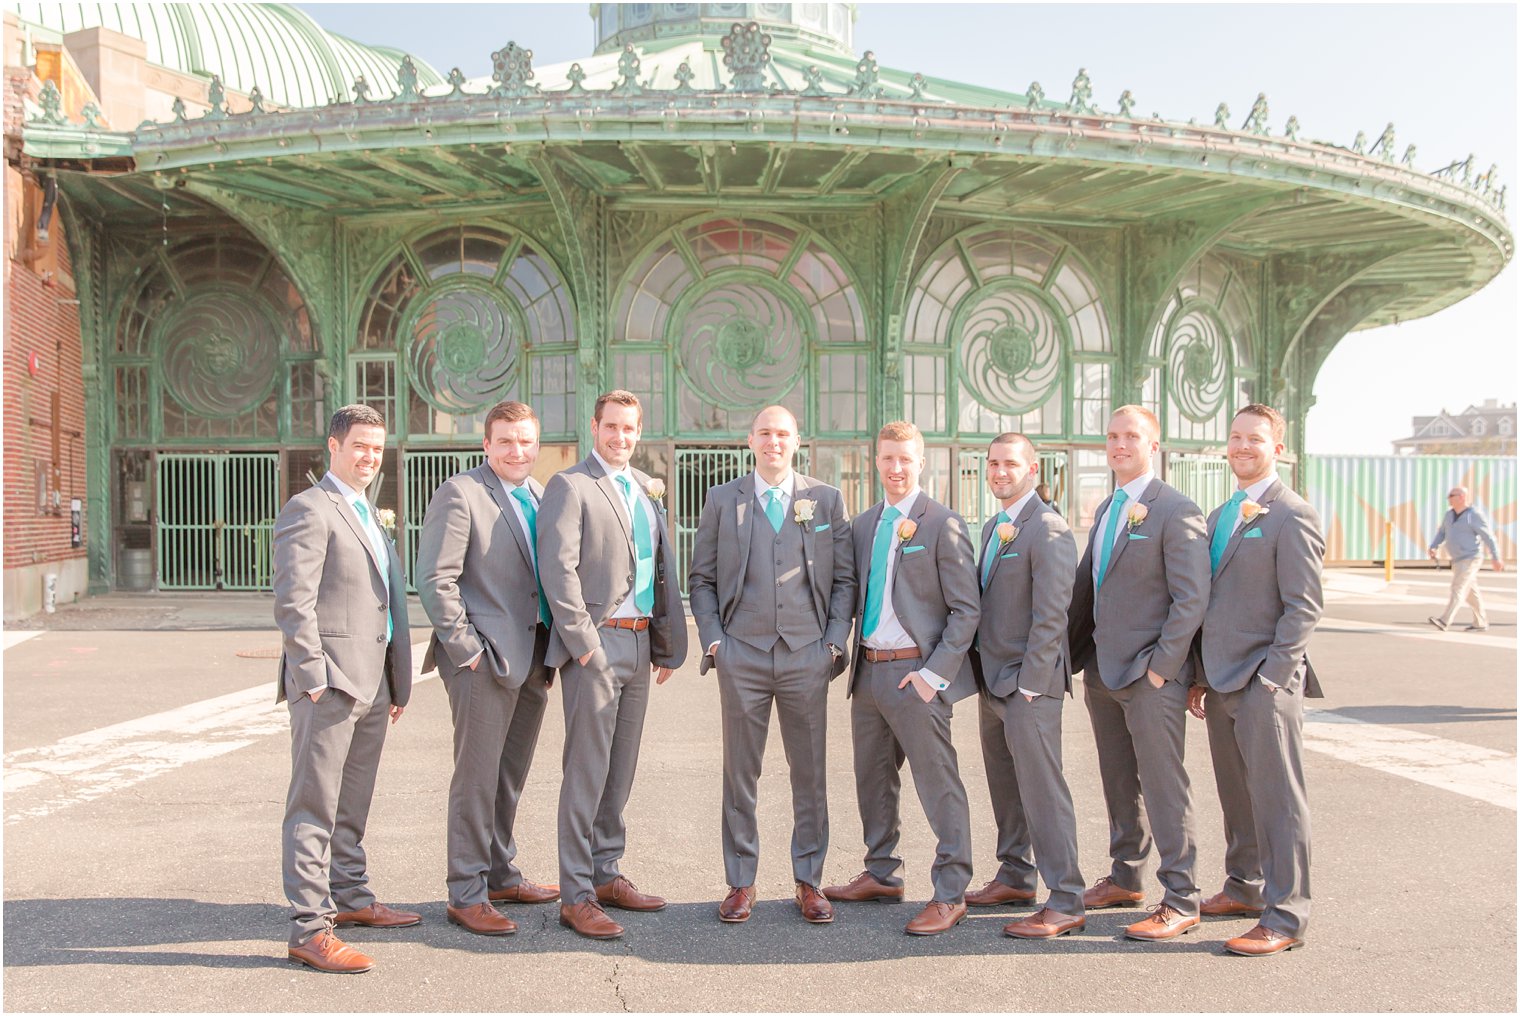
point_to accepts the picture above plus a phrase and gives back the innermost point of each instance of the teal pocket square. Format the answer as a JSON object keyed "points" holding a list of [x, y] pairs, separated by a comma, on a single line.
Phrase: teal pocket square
{"points": [[912, 550], [1012, 554], [1252, 534], [1138, 536], [819, 529]]}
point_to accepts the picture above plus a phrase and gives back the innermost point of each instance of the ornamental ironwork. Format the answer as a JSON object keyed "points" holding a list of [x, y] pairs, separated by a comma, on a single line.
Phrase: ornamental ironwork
{"points": [[465, 341], [1198, 366], [747, 53], [1012, 341], [512, 70], [220, 354], [1081, 93], [742, 340]]}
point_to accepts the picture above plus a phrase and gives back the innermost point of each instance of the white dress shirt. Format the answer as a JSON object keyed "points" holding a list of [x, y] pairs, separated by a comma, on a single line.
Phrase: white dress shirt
{"points": [[1132, 491], [629, 608], [890, 633], [371, 527]]}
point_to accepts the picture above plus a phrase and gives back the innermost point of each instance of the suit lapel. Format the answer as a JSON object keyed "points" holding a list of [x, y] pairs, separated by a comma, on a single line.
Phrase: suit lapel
{"points": [[1151, 490], [1025, 514], [1273, 489], [504, 503], [614, 498], [744, 521], [809, 542], [919, 508], [352, 518]]}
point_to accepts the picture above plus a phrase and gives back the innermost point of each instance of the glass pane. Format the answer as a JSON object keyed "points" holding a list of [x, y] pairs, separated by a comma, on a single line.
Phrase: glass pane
{"points": [[132, 403], [552, 394], [307, 401], [843, 382]]}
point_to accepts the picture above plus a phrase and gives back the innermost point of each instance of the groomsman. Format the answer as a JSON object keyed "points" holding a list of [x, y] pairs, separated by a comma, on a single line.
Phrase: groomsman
{"points": [[1141, 591], [773, 594], [1267, 551], [918, 607], [345, 665], [606, 566], [1023, 663], [478, 581]]}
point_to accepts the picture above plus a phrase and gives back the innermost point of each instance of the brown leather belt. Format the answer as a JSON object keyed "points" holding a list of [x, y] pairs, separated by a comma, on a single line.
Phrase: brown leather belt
{"points": [[888, 655], [627, 623]]}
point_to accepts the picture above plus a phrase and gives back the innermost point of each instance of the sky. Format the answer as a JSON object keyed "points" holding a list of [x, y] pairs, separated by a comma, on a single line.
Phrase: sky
{"points": [[1443, 74]]}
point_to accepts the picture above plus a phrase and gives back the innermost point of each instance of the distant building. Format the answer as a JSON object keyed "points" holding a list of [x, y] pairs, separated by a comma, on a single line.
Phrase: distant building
{"points": [[1488, 429]]}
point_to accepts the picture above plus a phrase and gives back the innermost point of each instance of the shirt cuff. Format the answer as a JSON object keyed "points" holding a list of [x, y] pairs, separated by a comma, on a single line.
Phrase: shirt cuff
{"points": [[1269, 684], [467, 664], [1026, 691], [714, 647], [935, 681]]}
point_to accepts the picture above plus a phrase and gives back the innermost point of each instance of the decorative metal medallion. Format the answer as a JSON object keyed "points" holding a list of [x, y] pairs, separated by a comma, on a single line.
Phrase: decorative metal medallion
{"points": [[1011, 343], [743, 341], [1197, 362], [220, 353], [464, 340]]}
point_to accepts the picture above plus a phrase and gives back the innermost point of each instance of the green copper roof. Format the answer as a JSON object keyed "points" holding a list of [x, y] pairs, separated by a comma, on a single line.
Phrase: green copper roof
{"points": [[277, 48]]}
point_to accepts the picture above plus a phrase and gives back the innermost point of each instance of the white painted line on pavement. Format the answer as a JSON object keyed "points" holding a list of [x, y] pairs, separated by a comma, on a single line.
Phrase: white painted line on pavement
{"points": [[15, 638], [1465, 638], [1482, 773], [83, 767]]}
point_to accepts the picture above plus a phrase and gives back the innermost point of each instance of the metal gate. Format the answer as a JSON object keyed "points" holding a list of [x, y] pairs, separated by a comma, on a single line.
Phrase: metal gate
{"points": [[1204, 478], [422, 473], [973, 498], [697, 470], [216, 515]]}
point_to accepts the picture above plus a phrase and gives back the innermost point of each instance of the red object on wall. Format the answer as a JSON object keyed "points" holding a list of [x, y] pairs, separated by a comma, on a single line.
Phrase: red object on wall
{"points": [[34, 363]]}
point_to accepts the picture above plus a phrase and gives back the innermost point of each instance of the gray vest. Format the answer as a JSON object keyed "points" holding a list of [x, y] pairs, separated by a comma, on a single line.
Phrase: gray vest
{"points": [[776, 600]]}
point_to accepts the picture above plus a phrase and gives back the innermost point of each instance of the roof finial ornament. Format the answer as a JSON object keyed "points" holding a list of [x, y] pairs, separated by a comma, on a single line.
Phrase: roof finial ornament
{"points": [[361, 91], [1359, 143], [216, 95], [1290, 129], [575, 75], [1408, 161], [51, 101], [812, 81], [917, 83], [513, 71], [256, 98], [92, 114], [684, 76], [1036, 94], [1256, 120], [406, 79], [1127, 104], [1081, 94], [747, 52], [1467, 165], [628, 71], [178, 109], [1383, 146], [456, 79], [867, 84], [1222, 117]]}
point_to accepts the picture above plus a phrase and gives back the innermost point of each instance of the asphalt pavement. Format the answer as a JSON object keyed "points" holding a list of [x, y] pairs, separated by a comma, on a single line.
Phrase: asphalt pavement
{"points": [[145, 775]]}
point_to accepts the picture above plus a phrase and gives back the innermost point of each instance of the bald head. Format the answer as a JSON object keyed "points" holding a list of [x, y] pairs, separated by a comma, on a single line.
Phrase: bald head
{"points": [[773, 438]]}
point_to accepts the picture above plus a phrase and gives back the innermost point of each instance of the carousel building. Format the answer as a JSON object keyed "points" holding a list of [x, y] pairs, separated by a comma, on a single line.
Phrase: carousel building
{"points": [[721, 207]]}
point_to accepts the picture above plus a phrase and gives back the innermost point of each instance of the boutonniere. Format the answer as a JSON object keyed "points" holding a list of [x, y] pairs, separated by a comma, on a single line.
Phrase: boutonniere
{"points": [[387, 519], [1136, 514], [1250, 509], [802, 510], [905, 530], [655, 488], [1007, 532]]}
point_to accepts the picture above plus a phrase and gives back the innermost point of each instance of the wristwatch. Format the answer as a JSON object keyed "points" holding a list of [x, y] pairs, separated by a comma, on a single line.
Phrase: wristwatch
{"points": [[834, 650]]}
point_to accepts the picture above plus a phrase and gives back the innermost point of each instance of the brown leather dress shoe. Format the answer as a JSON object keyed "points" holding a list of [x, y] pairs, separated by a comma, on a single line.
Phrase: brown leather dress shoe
{"points": [[996, 894], [524, 892], [377, 915], [1261, 941], [1107, 893], [864, 887], [737, 905], [1222, 904], [327, 953], [936, 917], [1165, 922], [1045, 923], [622, 894], [814, 905], [482, 919], [589, 919]]}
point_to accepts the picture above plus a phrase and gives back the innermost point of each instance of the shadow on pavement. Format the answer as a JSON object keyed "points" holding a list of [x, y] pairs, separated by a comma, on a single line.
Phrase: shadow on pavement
{"points": [[1395, 715], [119, 930]]}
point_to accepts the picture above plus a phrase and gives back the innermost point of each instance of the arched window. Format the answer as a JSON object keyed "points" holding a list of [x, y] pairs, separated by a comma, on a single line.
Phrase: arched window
{"points": [[459, 320], [722, 318]]}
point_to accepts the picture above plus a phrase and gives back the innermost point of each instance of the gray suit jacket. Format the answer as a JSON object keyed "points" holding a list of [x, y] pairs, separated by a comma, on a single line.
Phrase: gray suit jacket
{"points": [[475, 577], [1021, 640], [330, 602], [1266, 597], [721, 555], [586, 565], [934, 590], [1153, 597]]}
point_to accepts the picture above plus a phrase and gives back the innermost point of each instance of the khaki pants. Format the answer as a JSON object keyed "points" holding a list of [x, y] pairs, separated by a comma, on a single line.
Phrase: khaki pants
{"points": [[1464, 586]]}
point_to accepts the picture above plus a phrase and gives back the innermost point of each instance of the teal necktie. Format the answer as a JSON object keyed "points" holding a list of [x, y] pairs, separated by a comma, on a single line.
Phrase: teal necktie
{"points": [[877, 584], [773, 508], [643, 563], [1115, 509], [1224, 527], [530, 515], [993, 546], [370, 529]]}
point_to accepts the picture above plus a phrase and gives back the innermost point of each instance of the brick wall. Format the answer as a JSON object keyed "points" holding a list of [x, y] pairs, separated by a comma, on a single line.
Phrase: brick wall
{"points": [[36, 322]]}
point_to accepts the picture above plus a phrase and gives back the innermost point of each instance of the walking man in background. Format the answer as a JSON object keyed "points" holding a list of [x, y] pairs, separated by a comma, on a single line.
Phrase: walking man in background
{"points": [[1029, 559], [773, 595], [608, 573], [1462, 529], [345, 666], [477, 578], [1266, 552]]}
